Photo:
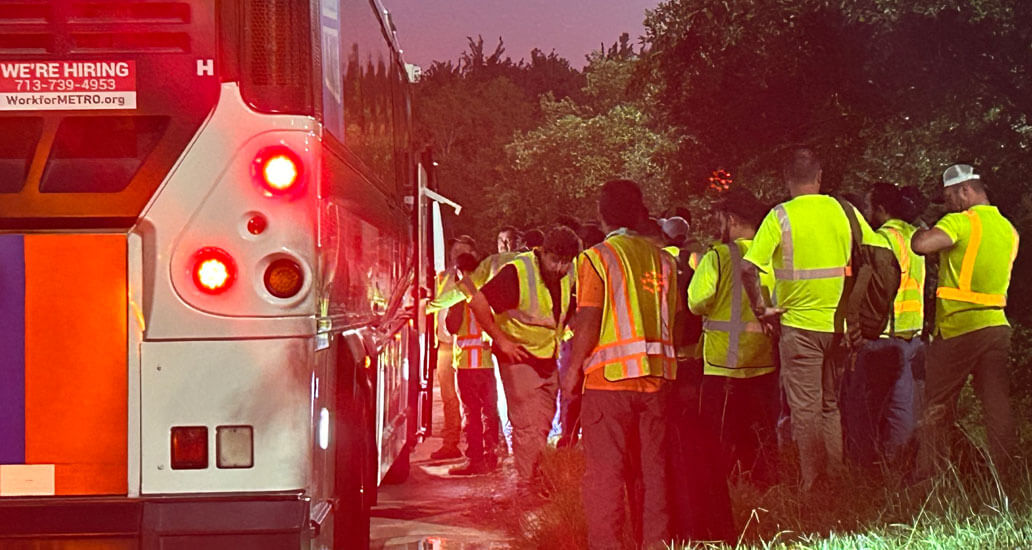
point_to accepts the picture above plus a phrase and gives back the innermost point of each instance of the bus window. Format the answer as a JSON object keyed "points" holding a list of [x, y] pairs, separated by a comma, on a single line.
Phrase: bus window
{"points": [[367, 70], [18, 137], [100, 154]]}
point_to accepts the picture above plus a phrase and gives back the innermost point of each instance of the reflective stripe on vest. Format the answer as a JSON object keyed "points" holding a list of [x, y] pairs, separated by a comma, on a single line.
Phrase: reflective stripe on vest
{"points": [[788, 271], [906, 281], [532, 323], [627, 341], [471, 351], [735, 326], [967, 269]]}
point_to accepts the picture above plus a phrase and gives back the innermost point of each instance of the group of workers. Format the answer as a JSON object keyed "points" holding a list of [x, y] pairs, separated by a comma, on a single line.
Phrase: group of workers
{"points": [[677, 365]]}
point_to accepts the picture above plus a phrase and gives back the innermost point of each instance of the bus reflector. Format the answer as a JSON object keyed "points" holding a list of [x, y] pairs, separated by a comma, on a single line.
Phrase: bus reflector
{"points": [[284, 278], [189, 447], [213, 270], [234, 446], [278, 171]]}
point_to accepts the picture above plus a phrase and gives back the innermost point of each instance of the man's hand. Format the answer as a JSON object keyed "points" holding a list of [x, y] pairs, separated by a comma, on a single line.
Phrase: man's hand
{"points": [[511, 351], [770, 318]]}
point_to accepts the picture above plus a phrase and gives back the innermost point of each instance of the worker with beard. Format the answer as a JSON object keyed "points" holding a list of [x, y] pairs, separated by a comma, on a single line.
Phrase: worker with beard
{"points": [[524, 309]]}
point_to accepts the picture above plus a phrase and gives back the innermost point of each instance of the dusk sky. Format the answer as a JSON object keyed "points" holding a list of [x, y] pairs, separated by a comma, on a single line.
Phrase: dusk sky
{"points": [[437, 29]]}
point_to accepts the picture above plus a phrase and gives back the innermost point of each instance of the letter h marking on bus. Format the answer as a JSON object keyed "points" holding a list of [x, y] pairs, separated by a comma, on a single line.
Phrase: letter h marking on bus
{"points": [[205, 67]]}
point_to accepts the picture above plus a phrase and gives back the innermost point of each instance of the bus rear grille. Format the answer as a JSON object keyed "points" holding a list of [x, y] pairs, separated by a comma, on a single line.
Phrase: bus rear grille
{"points": [[67, 26]]}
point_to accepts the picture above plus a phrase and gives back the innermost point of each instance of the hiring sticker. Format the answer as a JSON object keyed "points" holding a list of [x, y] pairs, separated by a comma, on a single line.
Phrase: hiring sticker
{"points": [[67, 85]]}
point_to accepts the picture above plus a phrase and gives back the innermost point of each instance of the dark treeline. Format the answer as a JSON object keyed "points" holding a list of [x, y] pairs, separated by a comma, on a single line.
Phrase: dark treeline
{"points": [[882, 90]]}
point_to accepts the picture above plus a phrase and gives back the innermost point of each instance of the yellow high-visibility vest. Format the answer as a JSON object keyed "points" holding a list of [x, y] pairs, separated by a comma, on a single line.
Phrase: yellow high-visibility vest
{"points": [[472, 349], [734, 344], [533, 324], [908, 316], [485, 271], [808, 242], [974, 274], [640, 281]]}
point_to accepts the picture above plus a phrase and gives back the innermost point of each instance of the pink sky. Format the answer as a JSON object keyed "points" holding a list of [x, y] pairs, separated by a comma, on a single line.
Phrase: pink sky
{"points": [[437, 29]]}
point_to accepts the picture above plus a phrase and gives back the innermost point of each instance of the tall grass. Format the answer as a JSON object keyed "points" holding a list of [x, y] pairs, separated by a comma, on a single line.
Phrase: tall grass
{"points": [[966, 506]]}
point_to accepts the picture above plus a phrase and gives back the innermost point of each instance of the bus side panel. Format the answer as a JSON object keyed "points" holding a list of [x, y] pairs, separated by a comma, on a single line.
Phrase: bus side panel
{"points": [[73, 389], [265, 384]]}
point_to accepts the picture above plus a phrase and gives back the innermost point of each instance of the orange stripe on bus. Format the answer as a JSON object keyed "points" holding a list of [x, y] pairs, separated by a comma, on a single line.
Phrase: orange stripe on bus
{"points": [[75, 360]]}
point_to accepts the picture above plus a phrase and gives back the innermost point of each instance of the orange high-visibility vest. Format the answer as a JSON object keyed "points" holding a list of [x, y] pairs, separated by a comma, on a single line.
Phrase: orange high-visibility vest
{"points": [[640, 280], [472, 351]]}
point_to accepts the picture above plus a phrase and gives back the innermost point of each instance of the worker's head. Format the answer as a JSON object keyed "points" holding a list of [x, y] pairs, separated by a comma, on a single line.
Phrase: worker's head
{"points": [[463, 244], [508, 239], [963, 188], [802, 173], [620, 204], [533, 238], [886, 201], [739, 213], [561, 246], [591, 234]]}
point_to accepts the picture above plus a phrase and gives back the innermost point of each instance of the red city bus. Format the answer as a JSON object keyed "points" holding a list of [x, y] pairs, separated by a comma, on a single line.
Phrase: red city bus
{"points": [[211, 226]]}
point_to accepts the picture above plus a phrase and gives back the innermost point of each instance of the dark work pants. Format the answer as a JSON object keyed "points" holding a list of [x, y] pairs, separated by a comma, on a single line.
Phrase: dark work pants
{"points": [[479, 397], [625, 450], [983, 354], [700, 502], [743, 413], [878, 400]]}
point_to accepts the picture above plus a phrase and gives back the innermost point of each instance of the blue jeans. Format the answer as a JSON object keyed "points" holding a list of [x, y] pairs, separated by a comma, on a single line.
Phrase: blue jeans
{"points": [[878, 400]]}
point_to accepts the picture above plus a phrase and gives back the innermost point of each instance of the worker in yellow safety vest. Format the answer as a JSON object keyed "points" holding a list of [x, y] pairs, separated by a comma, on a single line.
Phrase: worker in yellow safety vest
{"points": [[623, 344], [738, 397], [448, 293], [524, 310], [808, 243], [977, 247], [475, 378], [878, 398]]}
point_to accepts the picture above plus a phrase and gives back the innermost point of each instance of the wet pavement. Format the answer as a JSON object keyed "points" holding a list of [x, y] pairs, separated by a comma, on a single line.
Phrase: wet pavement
{"points": [[433, 510]]}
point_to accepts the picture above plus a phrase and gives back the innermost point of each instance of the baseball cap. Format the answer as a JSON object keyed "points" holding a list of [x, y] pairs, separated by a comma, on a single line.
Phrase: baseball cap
{"points": [[674, 226], [958, 173]]}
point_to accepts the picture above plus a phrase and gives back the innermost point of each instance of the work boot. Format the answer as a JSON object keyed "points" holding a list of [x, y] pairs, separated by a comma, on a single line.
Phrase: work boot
{"points": [[471, 468], [446, 451]]}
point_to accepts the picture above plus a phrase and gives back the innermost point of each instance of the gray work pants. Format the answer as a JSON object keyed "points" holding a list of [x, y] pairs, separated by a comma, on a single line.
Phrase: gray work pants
{"points": [[625, 450], [531, 399], [812, 364]]}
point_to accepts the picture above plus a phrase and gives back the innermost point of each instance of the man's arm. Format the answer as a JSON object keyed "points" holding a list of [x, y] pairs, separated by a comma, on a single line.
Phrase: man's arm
{"points": [[930, 241], [482, 310], [587, 325], [751, 283], [703, 285]]}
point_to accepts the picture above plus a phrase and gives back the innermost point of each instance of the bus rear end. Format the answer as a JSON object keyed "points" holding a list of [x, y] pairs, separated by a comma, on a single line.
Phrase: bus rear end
{"points": [[171, 372]]}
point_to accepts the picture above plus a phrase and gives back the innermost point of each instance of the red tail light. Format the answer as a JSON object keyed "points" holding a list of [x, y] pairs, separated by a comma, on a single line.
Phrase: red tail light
{"points": [[278, 171], [213, 270], [189, 447]]}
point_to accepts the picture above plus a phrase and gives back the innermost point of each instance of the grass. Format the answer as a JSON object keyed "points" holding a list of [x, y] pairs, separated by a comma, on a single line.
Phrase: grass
{"points": [[967, 506]]}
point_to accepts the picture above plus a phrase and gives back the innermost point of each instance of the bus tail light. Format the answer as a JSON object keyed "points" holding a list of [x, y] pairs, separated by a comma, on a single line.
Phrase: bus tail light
{"points": [[213, 270], [284, 278], [189, 447], [278, 171], [234, 446]]}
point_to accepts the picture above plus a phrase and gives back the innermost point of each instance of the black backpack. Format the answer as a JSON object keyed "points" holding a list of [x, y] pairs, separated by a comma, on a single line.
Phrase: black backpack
{"points": [[866, 306]]}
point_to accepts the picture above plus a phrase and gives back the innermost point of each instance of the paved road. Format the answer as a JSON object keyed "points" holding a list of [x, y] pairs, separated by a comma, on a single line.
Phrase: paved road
{"points": [[433, 510]]}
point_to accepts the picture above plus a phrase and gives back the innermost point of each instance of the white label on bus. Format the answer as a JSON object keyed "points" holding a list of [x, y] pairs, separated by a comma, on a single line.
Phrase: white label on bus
{"points": [[67, 85]]}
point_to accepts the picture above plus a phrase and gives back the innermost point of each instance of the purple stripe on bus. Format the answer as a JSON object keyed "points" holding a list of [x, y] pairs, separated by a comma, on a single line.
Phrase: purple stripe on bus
{"points": [[12, 349]]}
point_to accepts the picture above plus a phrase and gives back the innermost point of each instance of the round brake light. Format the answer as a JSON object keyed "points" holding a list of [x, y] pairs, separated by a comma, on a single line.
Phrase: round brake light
{"points": [[213, 270], [284, 278], [278, 171]]}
